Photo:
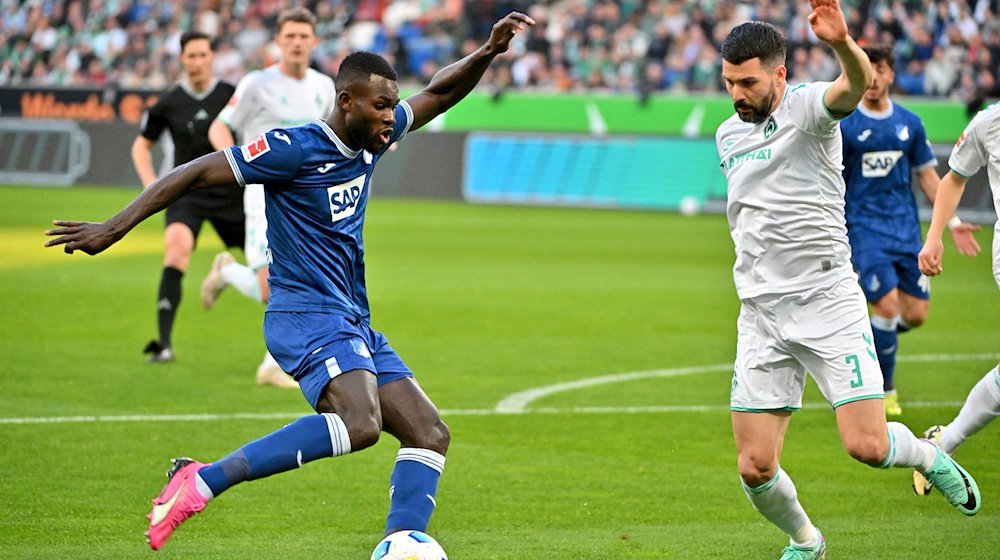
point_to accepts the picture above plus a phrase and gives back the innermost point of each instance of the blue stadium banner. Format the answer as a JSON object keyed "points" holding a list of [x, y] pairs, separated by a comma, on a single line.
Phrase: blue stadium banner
{"points": [[656, 173]]}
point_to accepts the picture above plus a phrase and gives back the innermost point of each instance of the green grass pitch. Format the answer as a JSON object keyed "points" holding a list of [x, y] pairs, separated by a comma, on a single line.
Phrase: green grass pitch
{"points": [[483, 303]]}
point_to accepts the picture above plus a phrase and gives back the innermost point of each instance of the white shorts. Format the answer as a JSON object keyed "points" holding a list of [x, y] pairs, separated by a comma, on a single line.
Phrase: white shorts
{"points": [[823, 331], [996, 253], [255, 246]]}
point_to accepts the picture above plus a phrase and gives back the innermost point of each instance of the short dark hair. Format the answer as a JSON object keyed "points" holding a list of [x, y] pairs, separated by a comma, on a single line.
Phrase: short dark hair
{"points": [[193, 35], [298, 14], [754, 39], [879, 52], [359, 67]]}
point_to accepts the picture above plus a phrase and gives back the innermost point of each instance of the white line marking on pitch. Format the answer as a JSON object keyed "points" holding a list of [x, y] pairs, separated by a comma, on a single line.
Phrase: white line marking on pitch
{"points": [[516, 403], [444, 412]]}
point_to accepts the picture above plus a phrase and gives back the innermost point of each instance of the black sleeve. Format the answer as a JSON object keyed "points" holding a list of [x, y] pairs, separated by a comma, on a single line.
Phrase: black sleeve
{"points": [[153, 122]]}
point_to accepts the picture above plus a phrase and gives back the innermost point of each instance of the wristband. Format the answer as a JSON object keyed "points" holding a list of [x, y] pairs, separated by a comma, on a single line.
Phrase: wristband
{"points": [[954, 222]]}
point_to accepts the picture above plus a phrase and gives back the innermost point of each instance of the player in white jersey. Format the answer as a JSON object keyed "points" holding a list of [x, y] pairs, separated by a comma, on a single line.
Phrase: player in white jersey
{"points": [[286, 94], [978, 147], [802, 309]]}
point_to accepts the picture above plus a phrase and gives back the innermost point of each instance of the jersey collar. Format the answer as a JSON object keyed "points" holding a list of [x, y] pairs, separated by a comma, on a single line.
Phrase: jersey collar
{"points": [[348, 153], [878, 115], [186, 86]]}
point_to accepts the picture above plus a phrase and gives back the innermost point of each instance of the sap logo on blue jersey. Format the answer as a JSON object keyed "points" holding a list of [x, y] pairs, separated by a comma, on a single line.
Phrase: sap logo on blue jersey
{"points": [[879, 164], [344, 198]]}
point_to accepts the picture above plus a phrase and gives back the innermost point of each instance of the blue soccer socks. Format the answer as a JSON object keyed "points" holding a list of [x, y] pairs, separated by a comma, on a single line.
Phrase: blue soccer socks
{"points": [[886, 338], [306, 439], [413, 487]]}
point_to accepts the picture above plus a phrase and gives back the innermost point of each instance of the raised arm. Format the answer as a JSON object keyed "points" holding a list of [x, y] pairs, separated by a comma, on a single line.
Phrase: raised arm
{"points": [[961, 233], [827, 21], [949, 193], [456, 80], [211, 170]]}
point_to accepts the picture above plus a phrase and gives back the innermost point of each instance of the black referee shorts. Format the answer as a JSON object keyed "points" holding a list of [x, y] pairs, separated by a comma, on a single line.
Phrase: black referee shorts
{"points": [[222, 206]]}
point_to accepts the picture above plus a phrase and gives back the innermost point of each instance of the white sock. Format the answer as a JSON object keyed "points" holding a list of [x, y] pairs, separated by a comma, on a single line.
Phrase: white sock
{"points": [[203, 488], [269, 361], [980, 408], [905, 450], [778, 502], [243, 278]]}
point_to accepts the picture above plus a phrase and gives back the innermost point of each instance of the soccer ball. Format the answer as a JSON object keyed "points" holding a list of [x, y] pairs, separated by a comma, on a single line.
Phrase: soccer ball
{"points": [[689, 206], [409, 545]]}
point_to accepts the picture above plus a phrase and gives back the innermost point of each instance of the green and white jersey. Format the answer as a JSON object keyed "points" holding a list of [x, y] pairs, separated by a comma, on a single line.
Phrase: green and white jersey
{"points": [[267, 99], [978, 147], [786, 196]]}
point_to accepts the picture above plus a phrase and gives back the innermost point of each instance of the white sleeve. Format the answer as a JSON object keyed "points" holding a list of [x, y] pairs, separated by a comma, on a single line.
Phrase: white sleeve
{"points": [[236, 114], [969, 154], [808, 110]]}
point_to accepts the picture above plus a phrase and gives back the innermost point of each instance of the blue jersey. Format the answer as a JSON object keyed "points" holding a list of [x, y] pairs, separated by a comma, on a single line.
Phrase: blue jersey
{"points": [[880, 153], [316, 190]]}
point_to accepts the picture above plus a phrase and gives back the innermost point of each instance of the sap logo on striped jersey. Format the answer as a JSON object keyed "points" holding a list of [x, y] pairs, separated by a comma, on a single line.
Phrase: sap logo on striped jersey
{"points": [[879, 164], [344, 198]]}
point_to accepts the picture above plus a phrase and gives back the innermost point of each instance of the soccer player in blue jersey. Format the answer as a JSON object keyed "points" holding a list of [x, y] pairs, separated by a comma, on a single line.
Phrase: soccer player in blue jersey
{"points": [[317, 325], [884, 144]]}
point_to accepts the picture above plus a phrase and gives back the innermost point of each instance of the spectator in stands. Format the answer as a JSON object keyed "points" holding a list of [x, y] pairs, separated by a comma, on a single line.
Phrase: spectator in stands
{"points": [[577, 43]]}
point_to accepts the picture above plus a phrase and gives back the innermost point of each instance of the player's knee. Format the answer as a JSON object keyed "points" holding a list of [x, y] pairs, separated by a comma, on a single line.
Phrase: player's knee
{"points": [[870, 450], [915, 318], [757, 469], [433, 435], [364, 428], [436, 437]]}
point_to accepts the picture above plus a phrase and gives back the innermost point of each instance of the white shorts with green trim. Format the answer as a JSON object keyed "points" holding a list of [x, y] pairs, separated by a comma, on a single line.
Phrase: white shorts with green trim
{"points": [[823, 331]]}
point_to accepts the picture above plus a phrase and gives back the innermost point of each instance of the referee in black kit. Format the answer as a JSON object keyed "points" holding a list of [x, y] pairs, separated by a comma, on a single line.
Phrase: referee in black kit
{"points": [[187, 109]]}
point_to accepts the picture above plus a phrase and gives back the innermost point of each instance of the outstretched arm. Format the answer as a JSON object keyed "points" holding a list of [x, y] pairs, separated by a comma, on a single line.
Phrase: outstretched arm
{"points": [[211, 170], [961, 233], [949, 193], [827, 21], [456, 80]]}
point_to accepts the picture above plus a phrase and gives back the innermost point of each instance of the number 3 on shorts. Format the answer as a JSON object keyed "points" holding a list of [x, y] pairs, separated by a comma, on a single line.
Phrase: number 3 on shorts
{"points": [[852, 360]]}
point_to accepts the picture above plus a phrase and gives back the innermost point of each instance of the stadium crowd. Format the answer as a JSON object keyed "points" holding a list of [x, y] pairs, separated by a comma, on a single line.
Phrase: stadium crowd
{"points": [[944, 48]]}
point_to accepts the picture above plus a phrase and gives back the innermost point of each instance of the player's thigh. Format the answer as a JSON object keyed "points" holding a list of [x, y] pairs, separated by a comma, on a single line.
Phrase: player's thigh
{"points": [[912, 282], [410, 416], [833, 340], [914, 309], [759, 438], [317, 347], [765, 376], [860, 422], [876, 272]]}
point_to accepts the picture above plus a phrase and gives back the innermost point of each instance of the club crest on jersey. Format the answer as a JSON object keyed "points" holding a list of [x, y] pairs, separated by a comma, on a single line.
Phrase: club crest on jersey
{"points": [[255, 149], [879, 164], [770, 128], [345, 197], [902, 132]]}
